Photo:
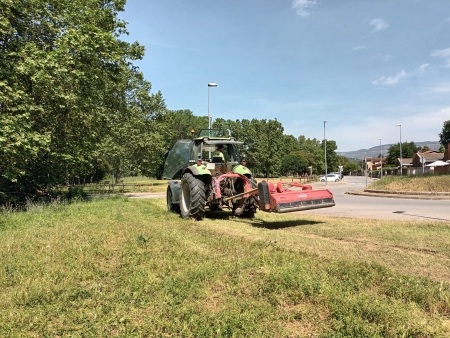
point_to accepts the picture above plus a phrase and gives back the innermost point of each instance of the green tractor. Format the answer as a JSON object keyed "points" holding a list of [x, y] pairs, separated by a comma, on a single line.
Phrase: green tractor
{"points": [[213, 181], [208, 181]]}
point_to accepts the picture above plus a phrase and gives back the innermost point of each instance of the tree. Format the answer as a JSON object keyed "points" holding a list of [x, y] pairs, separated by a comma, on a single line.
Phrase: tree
{"points": [[180, 123], [350, 167], [263, 142], [136, 141], [62, 74], [444, 135], [408, 149], [423, 149], [295, 162], [332, 157], [313, 147]]}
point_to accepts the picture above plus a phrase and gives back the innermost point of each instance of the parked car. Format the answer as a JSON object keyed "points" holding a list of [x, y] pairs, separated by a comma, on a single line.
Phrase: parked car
{"points": [[340, 174], [331, 177]]}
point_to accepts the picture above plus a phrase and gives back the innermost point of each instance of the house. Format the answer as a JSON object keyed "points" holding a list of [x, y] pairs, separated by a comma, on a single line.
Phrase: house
{"points": [[426, 157], [374, 163], [405, 162], [444, 169]]}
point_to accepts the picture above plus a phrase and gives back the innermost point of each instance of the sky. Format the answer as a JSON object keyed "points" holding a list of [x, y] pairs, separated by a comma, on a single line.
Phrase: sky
{"points": [[364, 66]]}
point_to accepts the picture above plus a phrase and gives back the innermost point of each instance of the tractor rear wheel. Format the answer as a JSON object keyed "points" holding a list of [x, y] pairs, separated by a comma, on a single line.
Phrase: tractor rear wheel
{"points": [[171, 206], [192, 197]]}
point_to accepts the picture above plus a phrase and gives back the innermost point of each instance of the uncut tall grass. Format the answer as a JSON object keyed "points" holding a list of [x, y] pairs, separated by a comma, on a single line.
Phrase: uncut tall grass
{"points": [[122, 267], [424, 183]]}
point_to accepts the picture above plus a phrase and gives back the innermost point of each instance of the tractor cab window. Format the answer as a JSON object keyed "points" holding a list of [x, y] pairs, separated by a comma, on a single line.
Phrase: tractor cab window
{"points": [[230, 152], [210, 133]]}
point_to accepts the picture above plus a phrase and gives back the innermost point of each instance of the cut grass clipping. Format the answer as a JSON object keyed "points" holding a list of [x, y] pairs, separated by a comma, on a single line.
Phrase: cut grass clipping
{"points": [[121, 267]]}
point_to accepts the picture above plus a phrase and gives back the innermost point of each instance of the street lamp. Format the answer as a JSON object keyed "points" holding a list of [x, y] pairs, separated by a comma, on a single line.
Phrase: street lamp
{"points": [[401, 161], [325, 144], [381, 160], [211, 84]]}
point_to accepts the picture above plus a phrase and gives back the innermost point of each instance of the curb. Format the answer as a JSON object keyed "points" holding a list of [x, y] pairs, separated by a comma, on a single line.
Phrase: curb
{"points": [[414, 193], [402, 194]]}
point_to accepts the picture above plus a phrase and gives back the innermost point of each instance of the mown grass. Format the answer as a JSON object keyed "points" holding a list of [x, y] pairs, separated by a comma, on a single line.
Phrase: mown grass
{"points": [[121, 267], [424, 183]]}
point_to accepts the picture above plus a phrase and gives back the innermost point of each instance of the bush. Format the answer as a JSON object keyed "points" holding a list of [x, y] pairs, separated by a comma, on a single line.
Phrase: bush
{"points": [[76, 193]]}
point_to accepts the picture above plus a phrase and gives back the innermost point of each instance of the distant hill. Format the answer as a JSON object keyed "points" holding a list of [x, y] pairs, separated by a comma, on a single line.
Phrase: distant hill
{"points": [[375, 151]]}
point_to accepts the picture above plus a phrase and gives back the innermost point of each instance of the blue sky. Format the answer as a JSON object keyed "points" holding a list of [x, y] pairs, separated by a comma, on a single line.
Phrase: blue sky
{"points": [[363, 65]]}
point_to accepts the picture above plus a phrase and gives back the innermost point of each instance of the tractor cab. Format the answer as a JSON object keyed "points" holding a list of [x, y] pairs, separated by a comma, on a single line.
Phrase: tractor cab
{"points": [[200, 150], [207, 144]]}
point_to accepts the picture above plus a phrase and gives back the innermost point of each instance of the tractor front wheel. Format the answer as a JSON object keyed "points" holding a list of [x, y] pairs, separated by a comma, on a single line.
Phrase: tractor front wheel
{"points": [[192, 197], [171, 206]]}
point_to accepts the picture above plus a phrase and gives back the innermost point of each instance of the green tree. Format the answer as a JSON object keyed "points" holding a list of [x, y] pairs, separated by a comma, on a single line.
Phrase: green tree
{"points": [[295, 162], [351, 167], [263, 142], [62, 69], [314, 148], [180, 123], [444, 135], [408, 149], [136, 141], [332, 157]]}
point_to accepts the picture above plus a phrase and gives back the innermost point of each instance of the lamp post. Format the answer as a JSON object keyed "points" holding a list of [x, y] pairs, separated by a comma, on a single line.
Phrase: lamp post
{"points": [[381, 160], [401, 160], [325, 144], [211, 84]]}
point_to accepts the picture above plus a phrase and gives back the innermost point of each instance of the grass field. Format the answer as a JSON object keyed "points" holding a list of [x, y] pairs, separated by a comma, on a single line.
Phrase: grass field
{"points": [[424, 183], [128, 268]]}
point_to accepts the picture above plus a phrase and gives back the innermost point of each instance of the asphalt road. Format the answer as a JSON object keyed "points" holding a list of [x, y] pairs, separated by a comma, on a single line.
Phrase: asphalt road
{"points": [[366, 206], [379, 207]]}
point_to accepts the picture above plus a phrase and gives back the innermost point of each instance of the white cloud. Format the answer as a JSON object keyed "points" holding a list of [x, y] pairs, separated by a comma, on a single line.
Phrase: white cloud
{"points": [[302, 6], [359, 48], [419, 124], [390, 80], [442, 88], [442, 53], [420, 71], [379, 24], [393, 80]]}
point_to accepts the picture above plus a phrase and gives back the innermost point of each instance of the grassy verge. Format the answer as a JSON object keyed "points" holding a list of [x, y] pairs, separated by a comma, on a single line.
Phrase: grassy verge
{"points": [[424, 183], [120, 267]]}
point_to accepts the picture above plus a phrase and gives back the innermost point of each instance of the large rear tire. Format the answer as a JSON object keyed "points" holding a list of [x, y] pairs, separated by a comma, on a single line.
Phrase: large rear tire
{"points": [[171, 206], [192, 197]]}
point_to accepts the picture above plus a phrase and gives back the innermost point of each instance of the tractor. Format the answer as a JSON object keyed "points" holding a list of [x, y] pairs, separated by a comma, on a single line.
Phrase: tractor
{"points": [[210, 182]]}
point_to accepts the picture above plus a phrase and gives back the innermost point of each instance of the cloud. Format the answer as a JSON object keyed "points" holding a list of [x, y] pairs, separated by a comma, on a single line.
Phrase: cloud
{"points": [[302, 6], [442, 88], [358, 48], [379, 24], [390, 80], [442, 53], [393, 80], [419, 124]]}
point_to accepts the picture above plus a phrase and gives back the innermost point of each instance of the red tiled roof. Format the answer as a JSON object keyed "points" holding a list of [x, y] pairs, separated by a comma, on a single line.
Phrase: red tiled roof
{"points": [[431, 156]]}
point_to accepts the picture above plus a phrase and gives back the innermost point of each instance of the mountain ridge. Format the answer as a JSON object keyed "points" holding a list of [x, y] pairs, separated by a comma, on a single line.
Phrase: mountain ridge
{"points": [[375, 151]]}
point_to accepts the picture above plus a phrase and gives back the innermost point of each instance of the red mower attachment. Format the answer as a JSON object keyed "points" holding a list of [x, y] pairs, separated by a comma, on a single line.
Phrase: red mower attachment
{"points": [[277, 199]]}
